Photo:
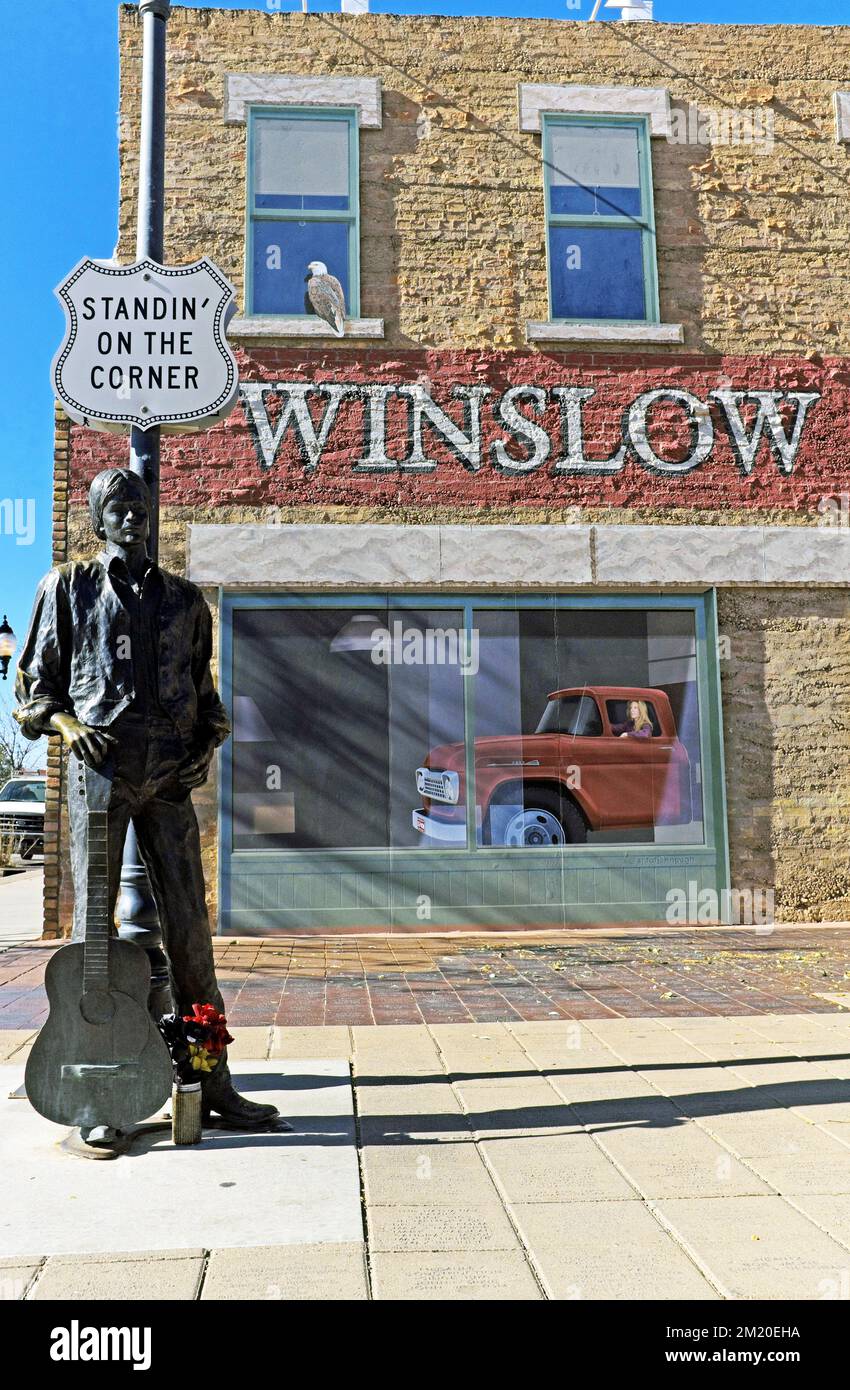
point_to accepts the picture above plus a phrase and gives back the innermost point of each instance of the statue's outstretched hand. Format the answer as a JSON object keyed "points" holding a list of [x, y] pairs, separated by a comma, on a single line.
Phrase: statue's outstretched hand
{"points": [[88, 744]]}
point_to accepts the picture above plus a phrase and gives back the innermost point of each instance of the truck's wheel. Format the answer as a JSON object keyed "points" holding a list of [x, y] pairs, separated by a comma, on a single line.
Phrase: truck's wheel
{"points": [[545, 822]]}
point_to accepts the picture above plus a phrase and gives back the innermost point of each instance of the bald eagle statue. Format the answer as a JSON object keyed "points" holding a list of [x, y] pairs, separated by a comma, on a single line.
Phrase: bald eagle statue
{"points": [[325, 297]]}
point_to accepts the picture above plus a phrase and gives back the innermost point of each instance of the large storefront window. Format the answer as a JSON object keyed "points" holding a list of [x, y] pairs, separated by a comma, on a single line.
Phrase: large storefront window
{"points": [[586, 728], [334, 711]]}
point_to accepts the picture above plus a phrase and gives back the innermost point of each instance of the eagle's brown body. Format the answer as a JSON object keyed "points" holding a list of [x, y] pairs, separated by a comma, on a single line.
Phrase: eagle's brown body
{"points": [[325, 297]]}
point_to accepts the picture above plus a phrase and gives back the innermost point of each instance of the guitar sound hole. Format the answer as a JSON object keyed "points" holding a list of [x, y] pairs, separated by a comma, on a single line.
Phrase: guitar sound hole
{"points": [[97, 1006]]}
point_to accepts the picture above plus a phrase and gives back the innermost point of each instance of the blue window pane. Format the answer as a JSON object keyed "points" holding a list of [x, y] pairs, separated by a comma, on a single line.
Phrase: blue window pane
{"points": [[281, 252], [596, 273], [598, 201], [298, 201]]}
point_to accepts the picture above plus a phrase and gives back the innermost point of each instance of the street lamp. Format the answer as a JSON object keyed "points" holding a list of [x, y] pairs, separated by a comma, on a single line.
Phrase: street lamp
{"points": [[8, 643]]}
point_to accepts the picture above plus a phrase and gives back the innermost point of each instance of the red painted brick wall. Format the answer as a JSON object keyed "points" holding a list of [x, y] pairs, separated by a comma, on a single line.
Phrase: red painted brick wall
{"points": [[220, 466]]}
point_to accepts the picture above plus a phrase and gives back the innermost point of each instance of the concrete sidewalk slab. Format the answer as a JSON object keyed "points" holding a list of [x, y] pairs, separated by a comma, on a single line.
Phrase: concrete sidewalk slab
{"points": [[447, 1175], [682, 1162], [606, 1250], [204, 1196], [450, 1275], [15, 1043], [438, 1228], [21, 905], [569, 1168], [158, 1274], [17, 1275], [756, 1247], [329, 1272]]}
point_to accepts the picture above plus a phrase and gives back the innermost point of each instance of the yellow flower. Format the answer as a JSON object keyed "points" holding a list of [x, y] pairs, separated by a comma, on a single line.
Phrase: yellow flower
{"points": [[201, 1059]]}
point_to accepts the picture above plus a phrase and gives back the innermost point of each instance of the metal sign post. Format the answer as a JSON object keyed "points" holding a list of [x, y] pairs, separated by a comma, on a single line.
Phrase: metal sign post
{"points": [[136, 908]]}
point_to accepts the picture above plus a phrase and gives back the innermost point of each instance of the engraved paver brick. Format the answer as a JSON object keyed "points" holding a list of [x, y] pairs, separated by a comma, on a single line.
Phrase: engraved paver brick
{"points": [[568, 1169], [481, 1274], [756, 1247], [328, 1271], [16, 1276], [427, 1175], [156, 1275], [606, 1250], [440, 1228]]}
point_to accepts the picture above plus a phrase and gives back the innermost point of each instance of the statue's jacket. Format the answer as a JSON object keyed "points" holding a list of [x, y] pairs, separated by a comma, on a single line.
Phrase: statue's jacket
{"points": [[74, 660]]}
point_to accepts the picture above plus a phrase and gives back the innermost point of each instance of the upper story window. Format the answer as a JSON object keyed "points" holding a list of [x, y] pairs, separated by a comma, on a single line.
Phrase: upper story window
{"points": [[303, 175], [600, 221]]}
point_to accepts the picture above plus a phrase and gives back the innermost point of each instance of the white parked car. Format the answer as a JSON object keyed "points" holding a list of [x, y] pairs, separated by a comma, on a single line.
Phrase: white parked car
{"points": [[22, 812]]}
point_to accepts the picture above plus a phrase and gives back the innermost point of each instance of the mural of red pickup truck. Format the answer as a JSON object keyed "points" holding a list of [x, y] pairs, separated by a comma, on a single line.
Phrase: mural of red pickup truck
{"points": [[576, 773]]}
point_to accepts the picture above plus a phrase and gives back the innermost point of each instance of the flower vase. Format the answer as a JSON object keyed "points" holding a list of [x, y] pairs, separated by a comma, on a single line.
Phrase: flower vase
{"points": [[186, 1112]]}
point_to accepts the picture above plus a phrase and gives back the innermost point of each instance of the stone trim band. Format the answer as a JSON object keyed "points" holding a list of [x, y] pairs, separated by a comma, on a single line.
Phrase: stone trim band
{"points": [[517, 557]]}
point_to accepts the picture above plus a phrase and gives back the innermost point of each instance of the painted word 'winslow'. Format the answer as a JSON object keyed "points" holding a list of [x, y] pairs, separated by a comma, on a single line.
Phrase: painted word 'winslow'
{"points": [[516, 414]]}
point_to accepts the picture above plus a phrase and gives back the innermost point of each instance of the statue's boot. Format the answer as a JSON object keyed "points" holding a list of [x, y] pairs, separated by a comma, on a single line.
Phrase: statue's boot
{"points": [[96, 1141], [235, 1111]]}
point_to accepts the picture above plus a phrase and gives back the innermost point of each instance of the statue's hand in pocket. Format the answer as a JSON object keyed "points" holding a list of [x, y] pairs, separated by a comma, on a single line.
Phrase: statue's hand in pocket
{"points": [[195, 770]]}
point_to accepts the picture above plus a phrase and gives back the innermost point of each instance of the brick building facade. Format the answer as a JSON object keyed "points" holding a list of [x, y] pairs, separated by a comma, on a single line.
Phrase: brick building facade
{"points": [[592, 401]]}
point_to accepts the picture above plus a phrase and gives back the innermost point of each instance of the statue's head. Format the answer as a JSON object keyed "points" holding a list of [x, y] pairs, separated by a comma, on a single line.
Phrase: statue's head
{"points": [[120, 507]]}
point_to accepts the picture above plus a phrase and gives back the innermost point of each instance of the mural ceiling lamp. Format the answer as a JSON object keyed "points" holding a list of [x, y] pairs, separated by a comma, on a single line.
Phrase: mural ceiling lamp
{"points": [[8, 643], [360, 634], [249, 725]]}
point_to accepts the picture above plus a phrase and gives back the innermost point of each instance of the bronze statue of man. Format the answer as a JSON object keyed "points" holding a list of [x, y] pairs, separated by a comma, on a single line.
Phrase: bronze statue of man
{"points": [[117, 661]]}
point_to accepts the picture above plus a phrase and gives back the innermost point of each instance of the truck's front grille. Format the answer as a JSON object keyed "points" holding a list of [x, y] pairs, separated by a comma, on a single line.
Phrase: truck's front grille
{"points": [[21, 825], [438, 786]]}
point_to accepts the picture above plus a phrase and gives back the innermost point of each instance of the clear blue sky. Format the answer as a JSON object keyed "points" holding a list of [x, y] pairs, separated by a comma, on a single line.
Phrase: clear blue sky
{"points": [[58, 163]]}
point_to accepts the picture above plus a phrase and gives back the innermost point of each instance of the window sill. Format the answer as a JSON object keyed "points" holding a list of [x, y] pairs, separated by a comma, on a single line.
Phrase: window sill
{"points": [[548, 332], [274, 327]]}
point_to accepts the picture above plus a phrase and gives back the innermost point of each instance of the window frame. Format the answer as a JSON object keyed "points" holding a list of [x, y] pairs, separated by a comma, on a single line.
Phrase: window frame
{"points": [[254, 215], [550, 120]]}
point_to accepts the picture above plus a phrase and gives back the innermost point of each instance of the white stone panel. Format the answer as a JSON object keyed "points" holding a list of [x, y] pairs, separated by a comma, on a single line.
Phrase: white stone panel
{"points": [[575, 99], [243, 89]]}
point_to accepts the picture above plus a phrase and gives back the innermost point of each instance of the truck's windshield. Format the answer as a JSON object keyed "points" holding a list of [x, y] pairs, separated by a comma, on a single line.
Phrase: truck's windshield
{"points": [[23, 791], [572, 714]]}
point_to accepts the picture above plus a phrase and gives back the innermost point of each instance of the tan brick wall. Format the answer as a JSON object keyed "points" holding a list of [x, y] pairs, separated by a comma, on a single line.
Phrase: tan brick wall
{"points": [[752, 246], [58, 903], [785, 673]]}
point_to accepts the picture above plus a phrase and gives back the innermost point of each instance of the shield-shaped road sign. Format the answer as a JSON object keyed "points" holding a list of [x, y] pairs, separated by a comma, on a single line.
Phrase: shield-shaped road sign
{"points": [[145, 345]]}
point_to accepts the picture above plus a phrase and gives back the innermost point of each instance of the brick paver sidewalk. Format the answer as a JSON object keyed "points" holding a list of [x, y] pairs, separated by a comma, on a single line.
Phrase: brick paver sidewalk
{"points": [[391, 980]]}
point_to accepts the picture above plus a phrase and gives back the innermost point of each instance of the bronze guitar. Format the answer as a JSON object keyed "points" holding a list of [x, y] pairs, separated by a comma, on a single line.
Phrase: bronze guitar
{"points": [[99, 1059]]}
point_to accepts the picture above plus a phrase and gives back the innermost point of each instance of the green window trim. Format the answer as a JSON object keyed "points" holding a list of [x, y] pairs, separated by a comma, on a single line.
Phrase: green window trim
{"points": [[645, 223], [352, 216]]}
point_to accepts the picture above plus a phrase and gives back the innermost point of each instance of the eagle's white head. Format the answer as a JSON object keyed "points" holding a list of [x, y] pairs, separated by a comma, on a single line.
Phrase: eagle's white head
{"points": [[317, 268]]}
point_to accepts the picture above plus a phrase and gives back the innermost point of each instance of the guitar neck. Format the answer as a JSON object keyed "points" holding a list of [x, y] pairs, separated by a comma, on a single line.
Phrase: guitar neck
{"points": [[97, 924]]}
